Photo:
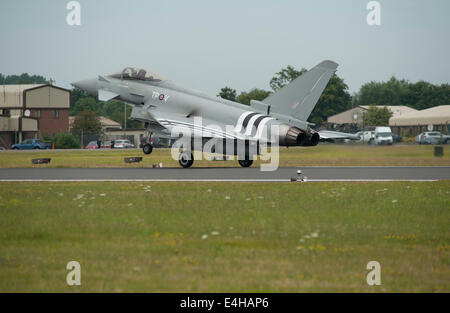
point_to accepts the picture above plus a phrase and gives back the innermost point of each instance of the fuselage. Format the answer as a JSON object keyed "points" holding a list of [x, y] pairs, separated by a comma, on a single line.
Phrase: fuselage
{"points": [[164, 106]]}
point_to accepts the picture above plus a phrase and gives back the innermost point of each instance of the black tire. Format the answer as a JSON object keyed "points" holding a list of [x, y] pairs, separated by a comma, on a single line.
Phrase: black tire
{"points": [[147, 149], [15, 148], [245, 163], [37, 148], [186, 159]]}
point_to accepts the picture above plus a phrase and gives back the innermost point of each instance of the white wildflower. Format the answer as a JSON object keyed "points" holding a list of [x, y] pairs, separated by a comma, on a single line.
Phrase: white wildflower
{"points": [[78, 197]]}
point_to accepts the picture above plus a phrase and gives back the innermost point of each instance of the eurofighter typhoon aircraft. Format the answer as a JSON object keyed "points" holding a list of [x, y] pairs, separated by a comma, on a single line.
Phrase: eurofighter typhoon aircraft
{"points": [[221, 126]]}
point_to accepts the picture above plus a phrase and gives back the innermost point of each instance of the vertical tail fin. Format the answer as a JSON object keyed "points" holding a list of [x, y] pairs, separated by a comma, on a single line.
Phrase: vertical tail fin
{"points": [[299, 97]]}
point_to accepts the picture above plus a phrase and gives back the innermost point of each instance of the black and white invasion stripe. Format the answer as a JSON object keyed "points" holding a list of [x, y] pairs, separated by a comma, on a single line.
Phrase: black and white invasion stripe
{"points": [[251, 124]]}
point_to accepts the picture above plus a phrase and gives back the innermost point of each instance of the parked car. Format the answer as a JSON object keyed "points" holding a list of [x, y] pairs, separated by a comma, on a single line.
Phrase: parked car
{"points": [[29, 144], [123, 144], [106, 144], [432, 138], [92, 145], [383, 136]]}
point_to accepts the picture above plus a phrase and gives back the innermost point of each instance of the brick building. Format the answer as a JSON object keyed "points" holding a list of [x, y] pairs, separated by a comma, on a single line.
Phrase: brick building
{"points": [[31, 111]]}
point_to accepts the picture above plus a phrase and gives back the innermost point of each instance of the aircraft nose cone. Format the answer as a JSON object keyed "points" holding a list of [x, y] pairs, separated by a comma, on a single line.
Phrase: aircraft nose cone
{"points": [[88, 85]]}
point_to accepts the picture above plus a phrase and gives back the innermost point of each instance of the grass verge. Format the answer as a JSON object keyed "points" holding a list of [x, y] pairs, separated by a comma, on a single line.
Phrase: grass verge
{"points": [[322, 155], [225, 237]]}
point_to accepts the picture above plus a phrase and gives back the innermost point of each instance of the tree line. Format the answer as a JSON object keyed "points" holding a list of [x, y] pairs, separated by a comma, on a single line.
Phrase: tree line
{"points": [[336, 97]]}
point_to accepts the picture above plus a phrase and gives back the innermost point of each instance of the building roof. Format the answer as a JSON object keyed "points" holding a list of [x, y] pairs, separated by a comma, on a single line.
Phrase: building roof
{"points": [[18, 88], [106, 122], [12, 95], [348, 117], [397, 110], [433, 116]]}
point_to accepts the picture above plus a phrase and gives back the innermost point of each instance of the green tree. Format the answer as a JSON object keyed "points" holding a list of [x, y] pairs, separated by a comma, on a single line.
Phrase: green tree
{"points": [[423, 95], [113, 106], [86, 103], [254, 94], [375, 116], [65, 141], [24, 78], [227, 93], [118, 116], [420, 95], [284, 77], [392, 92], [87, 122], [76, 95], [334, 99]]}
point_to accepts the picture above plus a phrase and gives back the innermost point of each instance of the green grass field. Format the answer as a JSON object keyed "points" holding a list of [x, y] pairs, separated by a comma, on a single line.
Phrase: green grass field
{"points": [[222, 237], [327, 155]]}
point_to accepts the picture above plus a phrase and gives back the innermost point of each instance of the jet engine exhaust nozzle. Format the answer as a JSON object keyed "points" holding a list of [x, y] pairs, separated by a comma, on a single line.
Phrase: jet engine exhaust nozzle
{"points": [[293, 136]]}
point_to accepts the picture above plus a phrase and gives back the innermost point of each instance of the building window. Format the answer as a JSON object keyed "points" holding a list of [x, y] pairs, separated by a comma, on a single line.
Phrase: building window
{"points": [[37, 113], [56, 114]]}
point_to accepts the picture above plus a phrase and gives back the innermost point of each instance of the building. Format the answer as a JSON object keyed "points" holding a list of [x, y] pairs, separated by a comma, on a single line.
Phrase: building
{"points": [[355, 115], [413, 123], [105, 122], [133, 135], [112, 130], [31, 111], [109, 124]]}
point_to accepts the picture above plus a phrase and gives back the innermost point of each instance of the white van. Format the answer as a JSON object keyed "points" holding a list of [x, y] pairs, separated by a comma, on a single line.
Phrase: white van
{"points": [[383, 136]]}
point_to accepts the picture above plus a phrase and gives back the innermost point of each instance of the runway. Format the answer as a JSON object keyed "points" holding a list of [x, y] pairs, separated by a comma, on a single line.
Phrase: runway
{"points": [[283, 174]]}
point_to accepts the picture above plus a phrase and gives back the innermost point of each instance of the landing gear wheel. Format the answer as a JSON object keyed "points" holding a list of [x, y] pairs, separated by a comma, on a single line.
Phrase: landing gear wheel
{"points": [[186, 159], [245, 163], [147, 148]]}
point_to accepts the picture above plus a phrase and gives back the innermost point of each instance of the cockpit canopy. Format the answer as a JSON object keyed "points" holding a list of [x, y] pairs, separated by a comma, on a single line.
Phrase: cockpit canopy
{"points": [[134, 73]]}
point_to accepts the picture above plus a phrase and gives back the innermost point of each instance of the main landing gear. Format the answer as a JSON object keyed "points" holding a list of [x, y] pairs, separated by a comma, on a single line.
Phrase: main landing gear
{"points": [[186, 159], [245, 163], [147, 148]]}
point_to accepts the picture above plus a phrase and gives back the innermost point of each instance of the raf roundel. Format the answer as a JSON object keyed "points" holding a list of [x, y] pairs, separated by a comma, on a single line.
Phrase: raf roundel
{"points": [[161, 97]]}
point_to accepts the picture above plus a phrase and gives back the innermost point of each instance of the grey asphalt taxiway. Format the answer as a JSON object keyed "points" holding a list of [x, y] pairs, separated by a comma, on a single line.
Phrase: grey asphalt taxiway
{"points": [[344, 173]]}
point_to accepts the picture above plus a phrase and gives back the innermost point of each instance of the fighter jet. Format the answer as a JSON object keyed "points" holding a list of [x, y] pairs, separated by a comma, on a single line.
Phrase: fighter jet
{"points": [[171, 110]]}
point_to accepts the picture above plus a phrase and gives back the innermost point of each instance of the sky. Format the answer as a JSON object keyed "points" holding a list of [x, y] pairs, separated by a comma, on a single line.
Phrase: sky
{"points": [[209, 44]]}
